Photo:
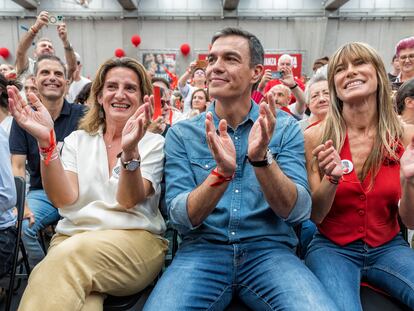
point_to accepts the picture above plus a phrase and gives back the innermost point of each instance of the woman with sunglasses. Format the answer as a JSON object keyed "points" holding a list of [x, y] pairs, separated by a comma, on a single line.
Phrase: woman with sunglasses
{"points": [[354, 161]]}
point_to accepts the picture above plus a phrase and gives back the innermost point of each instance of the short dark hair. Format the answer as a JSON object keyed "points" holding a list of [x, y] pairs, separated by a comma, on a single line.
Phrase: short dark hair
{"points": [[49, 57], [255, 47], [162, 80], [405, 90], [4, 98]]}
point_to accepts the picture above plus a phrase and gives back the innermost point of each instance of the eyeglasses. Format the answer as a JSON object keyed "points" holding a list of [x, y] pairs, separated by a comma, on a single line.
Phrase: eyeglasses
{"points": [[403, 58]]}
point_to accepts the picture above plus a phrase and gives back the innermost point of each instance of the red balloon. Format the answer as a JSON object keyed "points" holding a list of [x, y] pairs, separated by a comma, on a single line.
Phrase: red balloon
{"points": [[4, 52], [119, 53], [185, 49], [136, 40]]}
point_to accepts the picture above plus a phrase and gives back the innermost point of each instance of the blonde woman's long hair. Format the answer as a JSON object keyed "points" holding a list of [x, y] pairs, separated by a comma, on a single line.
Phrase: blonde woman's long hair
{"points": [[389, 129], [95, 117]]}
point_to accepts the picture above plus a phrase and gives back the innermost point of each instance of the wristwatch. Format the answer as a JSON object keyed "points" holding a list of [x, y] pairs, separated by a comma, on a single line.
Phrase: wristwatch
{"points": [[131, 165], [265, 162]]}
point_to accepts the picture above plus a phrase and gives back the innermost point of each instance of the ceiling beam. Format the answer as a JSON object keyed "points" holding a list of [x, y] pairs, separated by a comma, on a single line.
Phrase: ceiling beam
{"points": [[128, 4], [334, 4], [230, 4], [27, 4]]}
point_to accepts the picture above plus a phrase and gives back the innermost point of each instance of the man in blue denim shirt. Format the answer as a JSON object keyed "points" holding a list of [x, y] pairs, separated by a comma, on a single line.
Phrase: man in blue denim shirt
{"points": [[232, 202]]}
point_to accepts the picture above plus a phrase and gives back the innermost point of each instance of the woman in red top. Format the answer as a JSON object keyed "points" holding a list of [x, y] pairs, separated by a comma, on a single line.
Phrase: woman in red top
{"points": [[354, 162]]}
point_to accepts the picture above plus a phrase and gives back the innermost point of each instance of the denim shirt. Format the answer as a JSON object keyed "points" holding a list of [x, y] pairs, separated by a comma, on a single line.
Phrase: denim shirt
{"points": [[7, 187], [242, 213]]}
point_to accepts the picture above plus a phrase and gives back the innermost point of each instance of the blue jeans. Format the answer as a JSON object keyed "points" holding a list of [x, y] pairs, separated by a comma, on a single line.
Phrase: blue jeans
{"points": [[389, 267], [306, 235], [265, 275], [45, 214]]}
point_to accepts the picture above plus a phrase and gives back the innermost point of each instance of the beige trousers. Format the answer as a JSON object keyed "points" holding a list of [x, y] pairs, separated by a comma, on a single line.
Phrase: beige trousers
{"points": [[78, 270]]}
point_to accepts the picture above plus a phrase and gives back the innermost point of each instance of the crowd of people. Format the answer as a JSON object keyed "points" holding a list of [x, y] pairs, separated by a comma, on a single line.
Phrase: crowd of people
{"points": [[249, 166]]}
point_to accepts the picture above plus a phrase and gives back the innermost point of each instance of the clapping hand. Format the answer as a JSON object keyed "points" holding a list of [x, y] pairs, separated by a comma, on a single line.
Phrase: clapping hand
{"points": [[136, 126], [329, 160], [35, 119], [262, 130], [221, 146]]}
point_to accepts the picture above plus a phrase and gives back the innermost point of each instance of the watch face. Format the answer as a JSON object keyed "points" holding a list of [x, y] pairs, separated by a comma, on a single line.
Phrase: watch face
{"points": [[133, 165], [269, 157]]}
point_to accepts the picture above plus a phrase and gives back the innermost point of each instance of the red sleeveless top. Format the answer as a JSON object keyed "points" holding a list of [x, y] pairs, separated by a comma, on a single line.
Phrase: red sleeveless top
{"points": [[362, 213]]}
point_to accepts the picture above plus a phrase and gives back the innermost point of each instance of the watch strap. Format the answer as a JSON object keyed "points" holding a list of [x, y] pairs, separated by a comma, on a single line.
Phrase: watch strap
{"points": [[262, 163]]}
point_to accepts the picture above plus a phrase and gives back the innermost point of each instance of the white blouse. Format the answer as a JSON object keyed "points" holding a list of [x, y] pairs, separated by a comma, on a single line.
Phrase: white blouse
{"points": [[97, 207]]}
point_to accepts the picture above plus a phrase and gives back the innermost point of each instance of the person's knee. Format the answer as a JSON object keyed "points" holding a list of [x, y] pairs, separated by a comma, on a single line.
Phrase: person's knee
{"points": [[29, 231]]}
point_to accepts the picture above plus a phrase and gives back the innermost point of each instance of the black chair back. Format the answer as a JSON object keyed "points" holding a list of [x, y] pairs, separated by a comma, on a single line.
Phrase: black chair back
{"points": [[20, 184]]}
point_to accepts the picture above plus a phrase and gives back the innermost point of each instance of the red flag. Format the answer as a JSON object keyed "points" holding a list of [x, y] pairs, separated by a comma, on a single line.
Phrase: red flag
{"points": [[173, 77]]}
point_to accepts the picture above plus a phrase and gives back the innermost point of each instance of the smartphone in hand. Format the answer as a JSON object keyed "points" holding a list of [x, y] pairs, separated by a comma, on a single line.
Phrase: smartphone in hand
{"points": [[277, 75]]}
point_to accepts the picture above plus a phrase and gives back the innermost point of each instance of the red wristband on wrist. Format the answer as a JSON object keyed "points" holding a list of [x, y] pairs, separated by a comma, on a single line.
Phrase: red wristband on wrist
{"points": [[221, 178], [49, 150], [333, 180]]}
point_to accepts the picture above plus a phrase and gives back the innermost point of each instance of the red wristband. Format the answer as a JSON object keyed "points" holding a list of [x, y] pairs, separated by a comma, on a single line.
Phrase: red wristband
{"points": [[49, 150], [221, 178], [332, 180]]}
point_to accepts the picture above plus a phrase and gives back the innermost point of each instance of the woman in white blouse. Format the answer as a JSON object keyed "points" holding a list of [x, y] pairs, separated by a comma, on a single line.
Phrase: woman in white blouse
{"points": [[106, 185]]}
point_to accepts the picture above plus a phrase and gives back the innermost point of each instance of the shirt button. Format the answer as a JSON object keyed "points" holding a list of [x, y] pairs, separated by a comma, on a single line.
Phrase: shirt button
{"points": [[233, 233], [237, 190], [235, 210], [361, 229], [206, 165], [362, 197], [361, 212], [236, 138]]}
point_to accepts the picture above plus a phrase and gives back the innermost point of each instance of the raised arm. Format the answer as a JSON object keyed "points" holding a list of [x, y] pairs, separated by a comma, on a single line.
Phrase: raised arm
{"points": [[22, 60], [267, 76], [60, 186], [69, 51], [326, 159], [187, 75], [290, 82]]}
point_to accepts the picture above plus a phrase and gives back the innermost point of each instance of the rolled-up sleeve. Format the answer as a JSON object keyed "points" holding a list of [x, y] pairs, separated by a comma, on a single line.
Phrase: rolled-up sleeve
{"points": [[179, 180]]}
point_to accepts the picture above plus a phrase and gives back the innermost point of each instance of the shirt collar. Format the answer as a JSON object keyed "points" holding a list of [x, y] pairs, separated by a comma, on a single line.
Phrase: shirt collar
{"points": [[251, 116], [65, 108]]}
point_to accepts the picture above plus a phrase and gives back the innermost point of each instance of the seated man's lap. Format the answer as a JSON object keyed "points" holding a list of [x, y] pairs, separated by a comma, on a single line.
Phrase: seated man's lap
{"points": [[273, 277], [265, 275], [199, 277]]}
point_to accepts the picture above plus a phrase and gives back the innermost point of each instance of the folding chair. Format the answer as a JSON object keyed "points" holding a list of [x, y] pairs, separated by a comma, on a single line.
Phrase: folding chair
{"points": [[21, 196]]}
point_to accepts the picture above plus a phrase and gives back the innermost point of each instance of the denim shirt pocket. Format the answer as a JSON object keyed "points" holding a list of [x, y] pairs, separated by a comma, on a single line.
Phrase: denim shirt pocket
{"points": [[202, 168]]}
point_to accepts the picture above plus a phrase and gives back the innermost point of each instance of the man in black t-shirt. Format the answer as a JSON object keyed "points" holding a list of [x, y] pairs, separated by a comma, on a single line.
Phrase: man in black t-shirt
{"points": [[50, 77]]}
